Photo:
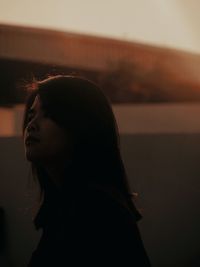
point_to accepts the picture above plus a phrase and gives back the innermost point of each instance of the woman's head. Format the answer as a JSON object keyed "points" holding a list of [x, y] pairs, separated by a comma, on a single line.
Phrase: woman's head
{"points": [[71, 120], [73, 123]]}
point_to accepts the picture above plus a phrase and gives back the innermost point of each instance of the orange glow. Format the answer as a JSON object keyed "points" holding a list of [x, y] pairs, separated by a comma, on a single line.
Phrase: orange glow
{"points": [[7, 122]]}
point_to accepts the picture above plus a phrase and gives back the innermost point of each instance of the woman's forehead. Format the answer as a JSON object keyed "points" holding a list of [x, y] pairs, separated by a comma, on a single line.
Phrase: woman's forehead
{"points": [[36, 103]]}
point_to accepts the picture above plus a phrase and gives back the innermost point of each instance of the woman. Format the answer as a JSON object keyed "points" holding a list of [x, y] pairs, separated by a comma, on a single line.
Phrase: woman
{"points": [[87, 214]]}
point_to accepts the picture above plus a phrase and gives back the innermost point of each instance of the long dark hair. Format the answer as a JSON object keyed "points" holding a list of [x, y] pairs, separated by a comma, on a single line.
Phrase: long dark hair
{"points": [[79, 107]]}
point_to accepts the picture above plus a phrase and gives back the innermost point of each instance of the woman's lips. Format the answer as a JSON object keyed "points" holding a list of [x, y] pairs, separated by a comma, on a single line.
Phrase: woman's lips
{"points": [[31, 140]]}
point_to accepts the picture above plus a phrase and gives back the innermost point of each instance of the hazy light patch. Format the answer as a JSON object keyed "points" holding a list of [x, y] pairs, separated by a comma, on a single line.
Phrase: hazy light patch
{"points": [[174, 24], [158, 119], [7, 122]]}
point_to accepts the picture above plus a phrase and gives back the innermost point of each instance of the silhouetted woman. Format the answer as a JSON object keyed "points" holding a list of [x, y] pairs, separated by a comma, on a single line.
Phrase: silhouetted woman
{"points": [[87, 214]]}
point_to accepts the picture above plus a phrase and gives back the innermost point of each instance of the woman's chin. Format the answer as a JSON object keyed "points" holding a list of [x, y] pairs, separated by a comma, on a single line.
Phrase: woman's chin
{"points": [[31, 158], [35, 156], [32, 155]]}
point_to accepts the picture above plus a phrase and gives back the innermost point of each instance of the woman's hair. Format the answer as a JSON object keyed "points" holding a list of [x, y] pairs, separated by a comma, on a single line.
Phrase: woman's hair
{"points": [[79, 107]]}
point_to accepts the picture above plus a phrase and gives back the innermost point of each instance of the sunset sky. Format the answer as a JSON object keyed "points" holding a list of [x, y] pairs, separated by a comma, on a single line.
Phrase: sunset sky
{"points": [[171, 23]]}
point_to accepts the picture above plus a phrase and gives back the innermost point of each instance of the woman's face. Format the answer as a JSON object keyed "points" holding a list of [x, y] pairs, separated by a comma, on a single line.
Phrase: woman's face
{"points": [[44, 140]]}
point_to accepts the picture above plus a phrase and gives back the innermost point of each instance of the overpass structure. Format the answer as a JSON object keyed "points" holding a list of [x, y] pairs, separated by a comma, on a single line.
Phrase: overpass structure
{"points": [[128, 72], [73, 50]]}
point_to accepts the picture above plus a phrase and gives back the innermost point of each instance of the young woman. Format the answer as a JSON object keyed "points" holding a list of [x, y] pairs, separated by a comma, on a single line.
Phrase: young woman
{"points": [[87, 214]]}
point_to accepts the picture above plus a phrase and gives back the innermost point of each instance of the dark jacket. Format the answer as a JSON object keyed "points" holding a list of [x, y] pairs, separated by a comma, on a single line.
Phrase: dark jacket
{"points": [[91, 229]]}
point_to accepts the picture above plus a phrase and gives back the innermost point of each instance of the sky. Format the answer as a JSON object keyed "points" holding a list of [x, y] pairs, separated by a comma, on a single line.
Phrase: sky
{"points": [[168, 23]]}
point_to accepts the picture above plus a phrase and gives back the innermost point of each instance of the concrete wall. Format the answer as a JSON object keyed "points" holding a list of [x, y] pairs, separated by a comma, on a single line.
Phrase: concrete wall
{"points": [[163, 168]]}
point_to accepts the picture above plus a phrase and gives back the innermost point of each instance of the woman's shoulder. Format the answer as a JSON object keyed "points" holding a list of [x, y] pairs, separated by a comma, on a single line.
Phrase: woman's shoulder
{"points": [[108, 226]]}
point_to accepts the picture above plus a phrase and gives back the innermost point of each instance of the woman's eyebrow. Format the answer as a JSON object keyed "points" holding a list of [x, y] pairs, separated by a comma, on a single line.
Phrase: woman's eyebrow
{"points": [[31, 111]]}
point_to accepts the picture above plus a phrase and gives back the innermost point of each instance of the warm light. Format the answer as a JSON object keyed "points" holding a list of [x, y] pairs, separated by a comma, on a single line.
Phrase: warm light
{"points": [[6, 122], [11, 121]]}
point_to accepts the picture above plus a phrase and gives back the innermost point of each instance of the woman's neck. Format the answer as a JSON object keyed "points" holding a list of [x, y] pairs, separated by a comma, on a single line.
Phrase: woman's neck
{"points": [[56, 172]]}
